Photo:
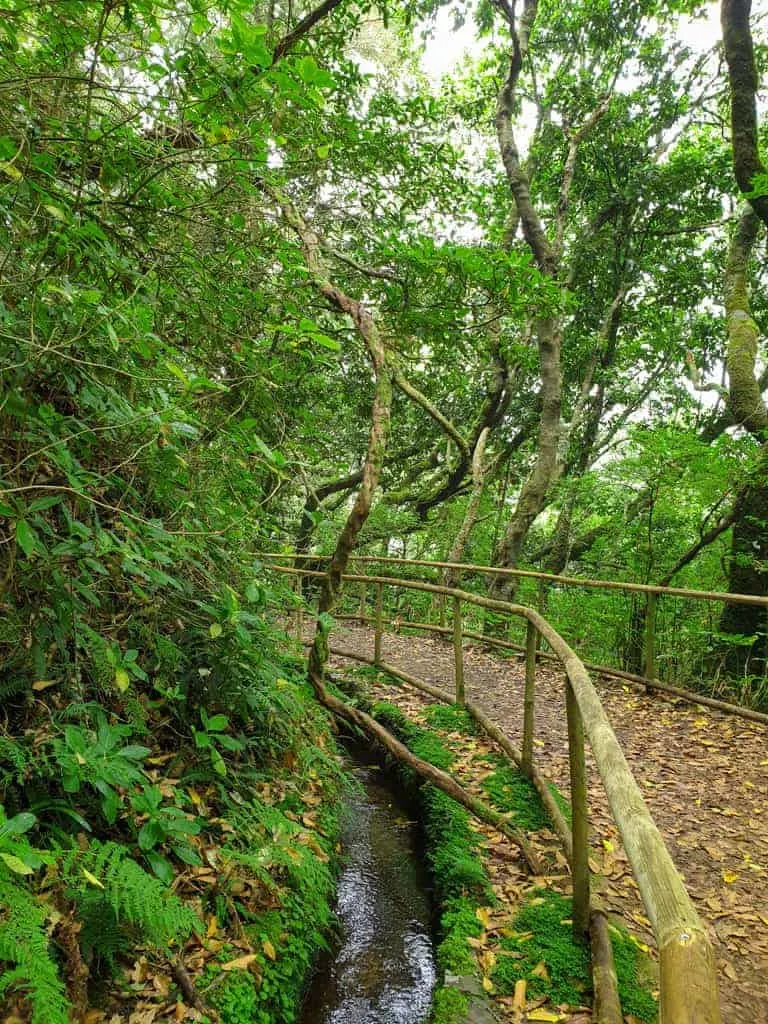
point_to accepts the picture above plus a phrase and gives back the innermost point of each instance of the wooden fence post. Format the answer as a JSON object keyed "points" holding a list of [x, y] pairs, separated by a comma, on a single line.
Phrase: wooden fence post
{"points": [[458, 651], [529, 700], [377, 633], [361, 610], [649, 666], [579, 812]]}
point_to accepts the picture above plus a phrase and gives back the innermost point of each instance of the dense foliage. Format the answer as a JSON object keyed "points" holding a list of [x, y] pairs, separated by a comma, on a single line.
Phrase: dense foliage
{"points": [[216, 220]]}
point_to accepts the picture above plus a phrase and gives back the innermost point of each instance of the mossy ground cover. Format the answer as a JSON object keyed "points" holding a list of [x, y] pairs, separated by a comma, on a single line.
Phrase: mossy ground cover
{"points": [[481, 933], [512, 792], [541, 949]]}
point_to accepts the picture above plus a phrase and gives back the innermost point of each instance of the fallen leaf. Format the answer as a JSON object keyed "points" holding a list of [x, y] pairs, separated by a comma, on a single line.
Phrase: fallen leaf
{"points": [[269, 949], [242, 963]]}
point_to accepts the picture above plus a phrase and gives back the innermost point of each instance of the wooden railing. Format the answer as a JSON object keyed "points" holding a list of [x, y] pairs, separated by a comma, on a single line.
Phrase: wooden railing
{"points": [[688, 982], [649, 677]]}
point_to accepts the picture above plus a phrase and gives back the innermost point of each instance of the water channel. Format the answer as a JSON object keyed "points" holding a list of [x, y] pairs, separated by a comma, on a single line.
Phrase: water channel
{"points": [[382, 970]]}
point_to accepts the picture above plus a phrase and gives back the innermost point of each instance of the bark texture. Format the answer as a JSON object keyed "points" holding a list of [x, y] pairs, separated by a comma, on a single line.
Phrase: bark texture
{"points": [[742, 75], [748, 567]]}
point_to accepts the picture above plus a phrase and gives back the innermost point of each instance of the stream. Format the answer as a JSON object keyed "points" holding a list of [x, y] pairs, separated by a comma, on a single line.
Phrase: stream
{"points": [[382, 969]]}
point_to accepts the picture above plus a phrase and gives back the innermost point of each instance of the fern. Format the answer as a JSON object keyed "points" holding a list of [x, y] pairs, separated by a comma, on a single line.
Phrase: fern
{"points": [[130, 897], [15, 759], [24, 943]]}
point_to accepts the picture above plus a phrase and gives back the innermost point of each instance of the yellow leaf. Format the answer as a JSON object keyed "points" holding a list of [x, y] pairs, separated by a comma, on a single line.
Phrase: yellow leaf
{"points": [[12, 172], [487, 984], [730, 876], [241, 964], [545, 1015], [483, 916], [92, 879], [269, 949], [213, 926], [43, 684], [518, 1001], [540, 970], [609, 847], [122, 680]]}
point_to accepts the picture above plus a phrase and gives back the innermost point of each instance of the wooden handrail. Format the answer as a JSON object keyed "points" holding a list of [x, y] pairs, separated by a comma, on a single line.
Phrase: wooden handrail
{"points": [[688, 989], [573, 581]]}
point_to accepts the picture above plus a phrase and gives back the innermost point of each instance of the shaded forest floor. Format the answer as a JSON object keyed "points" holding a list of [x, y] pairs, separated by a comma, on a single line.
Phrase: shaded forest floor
{"points": [[705, 778]]}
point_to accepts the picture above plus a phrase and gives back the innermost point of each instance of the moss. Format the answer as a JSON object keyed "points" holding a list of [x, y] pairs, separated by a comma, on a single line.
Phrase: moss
{"points": [[450, 1007], [542, 934], [634, 971], [513, 793], [458, 924], [450, 718]]}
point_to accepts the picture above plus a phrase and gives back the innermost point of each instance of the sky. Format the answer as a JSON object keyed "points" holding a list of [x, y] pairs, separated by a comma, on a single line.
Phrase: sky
{"points": [[446, 47]]}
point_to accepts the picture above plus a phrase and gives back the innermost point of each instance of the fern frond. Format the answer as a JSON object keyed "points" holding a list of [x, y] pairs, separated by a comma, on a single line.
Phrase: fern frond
{"points": [[24, 943], [130, 895]]}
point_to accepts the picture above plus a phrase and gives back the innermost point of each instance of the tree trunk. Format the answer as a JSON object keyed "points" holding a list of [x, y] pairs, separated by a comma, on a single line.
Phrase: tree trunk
{"points": [[742, 74], [748, 574], [748, 567], [451, 576]]}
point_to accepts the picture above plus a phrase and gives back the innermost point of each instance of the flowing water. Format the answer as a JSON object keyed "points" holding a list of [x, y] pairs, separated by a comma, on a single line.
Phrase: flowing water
{"points": [[382, 971]]}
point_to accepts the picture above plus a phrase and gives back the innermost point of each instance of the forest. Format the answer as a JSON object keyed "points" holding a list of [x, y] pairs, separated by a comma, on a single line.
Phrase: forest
{"points": [[383, 502]]}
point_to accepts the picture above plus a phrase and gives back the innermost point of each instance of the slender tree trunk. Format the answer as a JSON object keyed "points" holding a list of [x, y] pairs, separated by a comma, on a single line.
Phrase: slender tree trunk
{"points": [[451, 576], [368, 331]]}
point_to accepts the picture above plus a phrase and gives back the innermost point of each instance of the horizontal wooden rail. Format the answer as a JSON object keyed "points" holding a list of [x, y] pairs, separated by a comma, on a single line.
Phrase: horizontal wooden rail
{"points": [[573, 581], [688, 989], [655, 685]]}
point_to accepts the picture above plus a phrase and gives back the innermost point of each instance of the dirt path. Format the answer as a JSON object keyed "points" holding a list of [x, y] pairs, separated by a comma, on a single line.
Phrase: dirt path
{"points": [[705, 778]]}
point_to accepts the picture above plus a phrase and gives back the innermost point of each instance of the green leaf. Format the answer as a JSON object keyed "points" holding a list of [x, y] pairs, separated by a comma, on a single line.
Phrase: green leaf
{"points": [[27, 538], [215, 630], [18, 824], [217, 723], [16, 864]]}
